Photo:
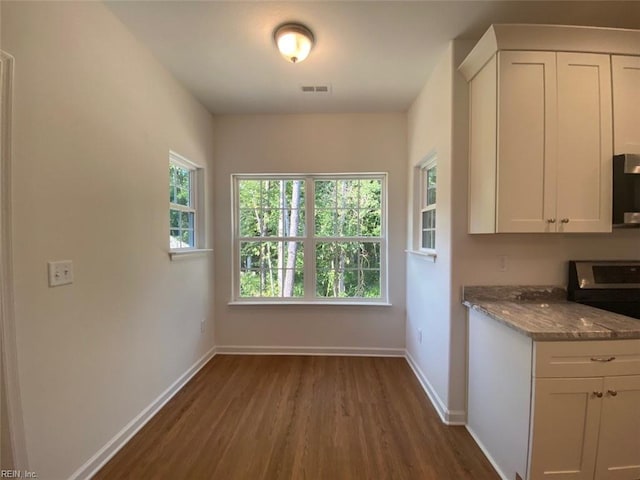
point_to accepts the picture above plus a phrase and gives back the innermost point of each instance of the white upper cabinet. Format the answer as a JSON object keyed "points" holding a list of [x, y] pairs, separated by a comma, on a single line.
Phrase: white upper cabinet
{"points": [[542, 128], [585, 149], [626, 104], [526, 141], [549, 146]]}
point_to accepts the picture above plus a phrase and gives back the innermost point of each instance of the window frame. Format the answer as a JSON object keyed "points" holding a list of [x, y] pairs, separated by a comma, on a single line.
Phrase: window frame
{"points": [[310, 240], [196, 203], [422, 204]]}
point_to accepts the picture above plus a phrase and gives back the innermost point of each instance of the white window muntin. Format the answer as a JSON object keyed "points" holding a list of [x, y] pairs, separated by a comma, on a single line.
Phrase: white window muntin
{"points": [[427, 216], [193, 209], [309, 240], [239, 240], [381, 240]]}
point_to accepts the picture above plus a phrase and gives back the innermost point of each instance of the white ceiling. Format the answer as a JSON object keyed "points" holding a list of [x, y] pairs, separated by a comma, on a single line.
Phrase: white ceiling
{"points": [[375, 55]]}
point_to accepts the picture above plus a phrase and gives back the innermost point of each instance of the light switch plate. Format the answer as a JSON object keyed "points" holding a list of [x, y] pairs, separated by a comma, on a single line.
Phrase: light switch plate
{"points": [[60, 273]]}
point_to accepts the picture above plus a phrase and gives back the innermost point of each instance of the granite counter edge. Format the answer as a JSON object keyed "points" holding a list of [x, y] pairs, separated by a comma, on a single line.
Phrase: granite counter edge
{"points": [[553, 336]]}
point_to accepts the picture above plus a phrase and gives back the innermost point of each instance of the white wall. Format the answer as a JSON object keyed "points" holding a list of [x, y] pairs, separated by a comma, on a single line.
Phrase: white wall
{"points": [[311, 144], [533, 259], [429, 283], [6, 452], [94, 118], [438, 120]]}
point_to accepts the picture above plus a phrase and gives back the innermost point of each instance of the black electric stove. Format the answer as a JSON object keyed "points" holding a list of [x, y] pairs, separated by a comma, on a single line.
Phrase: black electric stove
{"points": [[606, 284]]}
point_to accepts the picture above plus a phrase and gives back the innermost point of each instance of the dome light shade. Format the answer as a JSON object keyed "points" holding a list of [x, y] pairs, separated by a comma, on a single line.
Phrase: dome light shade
{"points": [[294, 41]]}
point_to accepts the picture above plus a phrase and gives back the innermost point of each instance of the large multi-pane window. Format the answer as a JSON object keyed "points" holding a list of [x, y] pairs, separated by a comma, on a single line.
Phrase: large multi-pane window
{"points": [[310, 237], [183, 203]]}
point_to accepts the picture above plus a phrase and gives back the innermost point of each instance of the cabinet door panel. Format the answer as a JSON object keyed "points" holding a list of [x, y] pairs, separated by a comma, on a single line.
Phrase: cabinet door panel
{"points": [[526, 142], [626, 104], [565, 424], [482, 150], [619, 444], [584, 142]]}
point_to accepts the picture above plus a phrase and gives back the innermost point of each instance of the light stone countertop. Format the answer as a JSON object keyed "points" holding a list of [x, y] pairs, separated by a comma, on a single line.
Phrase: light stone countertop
{"points": [[544, 314]]}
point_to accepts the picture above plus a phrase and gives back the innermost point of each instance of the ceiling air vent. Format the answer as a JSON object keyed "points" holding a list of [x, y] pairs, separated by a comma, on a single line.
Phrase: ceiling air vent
{"points": [[315, 88]]}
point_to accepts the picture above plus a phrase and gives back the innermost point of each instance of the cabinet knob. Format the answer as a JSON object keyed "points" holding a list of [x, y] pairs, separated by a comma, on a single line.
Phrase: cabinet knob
{"points": [[598, 394], [613, 393], [551, 220], [565, 220]]}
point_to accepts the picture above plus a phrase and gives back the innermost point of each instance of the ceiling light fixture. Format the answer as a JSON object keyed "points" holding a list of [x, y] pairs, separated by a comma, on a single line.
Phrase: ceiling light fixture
{"points": [[294, 41]]}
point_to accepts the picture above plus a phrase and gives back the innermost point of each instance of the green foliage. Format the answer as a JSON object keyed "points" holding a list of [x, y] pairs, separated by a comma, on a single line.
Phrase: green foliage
{"points": [[348, 269], [181, 223], [179, 185], [431, 186], [271, 218]]}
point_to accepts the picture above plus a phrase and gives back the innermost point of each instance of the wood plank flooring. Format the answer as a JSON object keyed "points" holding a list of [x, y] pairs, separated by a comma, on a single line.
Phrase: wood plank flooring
{"points": [[300, 417]]}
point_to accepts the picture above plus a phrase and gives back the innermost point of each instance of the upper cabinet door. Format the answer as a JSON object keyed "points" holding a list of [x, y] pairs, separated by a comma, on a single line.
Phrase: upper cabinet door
{"points": [[526, 141], [584, 143], [626, 104]]}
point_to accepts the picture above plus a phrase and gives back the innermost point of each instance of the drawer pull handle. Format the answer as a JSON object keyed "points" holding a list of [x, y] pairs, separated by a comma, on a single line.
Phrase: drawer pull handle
{"points": [[603, 360], [613, 393], [598, 394]]}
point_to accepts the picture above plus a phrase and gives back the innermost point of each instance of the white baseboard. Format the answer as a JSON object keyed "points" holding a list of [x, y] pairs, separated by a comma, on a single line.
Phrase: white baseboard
{"points": [[448, 417], [330, 351], [95, 463], [487, 454]]}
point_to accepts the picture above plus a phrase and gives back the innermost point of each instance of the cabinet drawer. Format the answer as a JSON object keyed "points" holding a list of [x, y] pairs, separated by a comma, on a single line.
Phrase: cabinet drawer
{"points": [[592, 358]]}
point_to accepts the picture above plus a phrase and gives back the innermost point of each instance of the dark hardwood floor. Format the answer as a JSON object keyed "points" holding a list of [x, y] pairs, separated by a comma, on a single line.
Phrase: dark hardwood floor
{"points": [[300, 417]]}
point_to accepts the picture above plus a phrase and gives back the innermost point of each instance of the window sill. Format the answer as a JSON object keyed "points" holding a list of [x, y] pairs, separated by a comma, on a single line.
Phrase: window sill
{"points": [[431, 256], [308, 302], [173, 254]]}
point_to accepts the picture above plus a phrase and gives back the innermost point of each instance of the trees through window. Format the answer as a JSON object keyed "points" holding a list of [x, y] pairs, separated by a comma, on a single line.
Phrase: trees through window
{"points": [[310, 237], [428, 206], [185, 204]]}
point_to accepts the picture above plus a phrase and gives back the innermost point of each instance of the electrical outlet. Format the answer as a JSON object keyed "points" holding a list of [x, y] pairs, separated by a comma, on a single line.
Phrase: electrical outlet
{"points": [[202, 326], [420, 336], [60, 273], [503, 263]]}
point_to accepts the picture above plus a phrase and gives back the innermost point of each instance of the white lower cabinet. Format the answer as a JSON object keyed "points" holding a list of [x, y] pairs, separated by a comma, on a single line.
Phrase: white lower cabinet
{"points": [[586, 428], [587, 425], [566, 410], [619, 437], [565, 419]]}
